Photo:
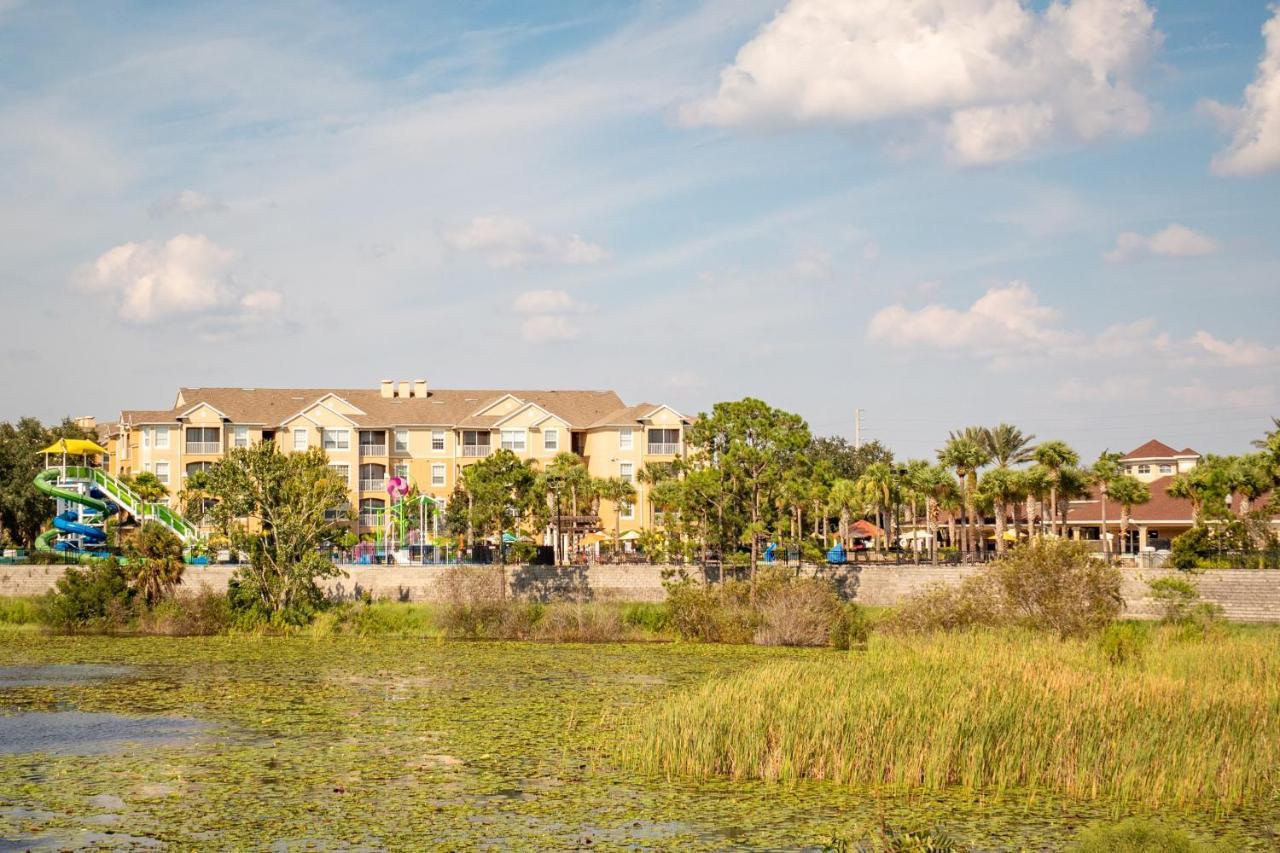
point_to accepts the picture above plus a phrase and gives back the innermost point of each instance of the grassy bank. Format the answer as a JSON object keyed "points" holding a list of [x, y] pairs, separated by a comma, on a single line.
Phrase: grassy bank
{"points": [[1185, 724]]}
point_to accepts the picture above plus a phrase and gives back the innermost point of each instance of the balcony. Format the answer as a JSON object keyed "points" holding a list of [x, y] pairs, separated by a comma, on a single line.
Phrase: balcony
{"points": [[373, 450], [663, 449], [370, 519], [205, 448], [476, 450], [374, 485]]}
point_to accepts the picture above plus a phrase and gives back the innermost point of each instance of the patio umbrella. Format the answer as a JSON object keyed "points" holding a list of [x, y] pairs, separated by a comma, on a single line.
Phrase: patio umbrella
{"points": [[594, 538], [630, 536]]}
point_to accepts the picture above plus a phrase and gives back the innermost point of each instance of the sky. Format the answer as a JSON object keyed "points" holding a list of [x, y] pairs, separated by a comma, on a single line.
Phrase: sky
{"points": [[940, 212]]}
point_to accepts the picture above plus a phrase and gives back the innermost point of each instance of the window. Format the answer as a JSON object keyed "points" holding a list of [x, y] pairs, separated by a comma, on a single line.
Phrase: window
{"points": [[401, 470], [625, 438], [437, 475], [338, 513], [1166, 469], [343, 471], [437, 440], [551, 439], [664, 442], [146, 436], [300, 439], [628, 511], [626, 471], [513, 439], [162, 472], [196, 468], [402, 441], [1144, 469], [337, 439], [162, 438], [241, 436]]}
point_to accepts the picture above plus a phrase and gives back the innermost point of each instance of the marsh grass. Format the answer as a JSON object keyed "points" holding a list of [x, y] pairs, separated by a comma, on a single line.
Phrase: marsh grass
{"points": [[1194, 726]]}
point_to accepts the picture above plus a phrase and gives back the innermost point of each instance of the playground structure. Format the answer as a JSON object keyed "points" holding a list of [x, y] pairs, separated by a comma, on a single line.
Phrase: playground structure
{"points": [[87, 496], [395, 530]]}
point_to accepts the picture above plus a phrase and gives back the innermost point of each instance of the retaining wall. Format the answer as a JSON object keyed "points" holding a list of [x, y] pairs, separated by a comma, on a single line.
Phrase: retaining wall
{"points": [[1245, 596]]}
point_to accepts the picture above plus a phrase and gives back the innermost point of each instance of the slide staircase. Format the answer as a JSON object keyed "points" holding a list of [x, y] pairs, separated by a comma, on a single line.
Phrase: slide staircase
{"points": [[106, 493]]}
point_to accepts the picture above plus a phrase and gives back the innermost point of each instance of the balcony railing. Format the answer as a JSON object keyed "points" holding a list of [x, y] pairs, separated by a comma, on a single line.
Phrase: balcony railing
{"points": [[373, 450], [660, 449], [205, 447], [476, 449], [375, 485], [370, 519]]}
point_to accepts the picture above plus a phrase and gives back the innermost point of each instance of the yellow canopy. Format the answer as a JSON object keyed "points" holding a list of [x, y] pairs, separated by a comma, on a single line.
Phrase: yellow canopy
{"points": [[593, 538], [75, 447], [630, 535]]}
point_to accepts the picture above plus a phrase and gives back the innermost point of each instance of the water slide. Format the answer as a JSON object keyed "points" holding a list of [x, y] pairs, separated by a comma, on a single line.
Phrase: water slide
{"points": [[95, 502]]}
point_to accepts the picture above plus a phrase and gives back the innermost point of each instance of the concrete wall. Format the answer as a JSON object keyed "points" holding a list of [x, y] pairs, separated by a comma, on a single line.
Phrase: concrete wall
{"points": [[1246, 596]]}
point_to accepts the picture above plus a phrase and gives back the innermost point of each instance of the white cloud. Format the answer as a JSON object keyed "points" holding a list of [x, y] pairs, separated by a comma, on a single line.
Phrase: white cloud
{"points": [[509, 242], [1010, 317], [545, 302], [186, 276], [186, 202], [547, 320], [548, 328], [1237, 353], [1003, 77], [1175, 241], [1255, 146]]}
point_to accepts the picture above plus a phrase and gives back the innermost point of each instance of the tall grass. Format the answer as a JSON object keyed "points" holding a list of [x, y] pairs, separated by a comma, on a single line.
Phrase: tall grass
{"points": [[1191, 725]]}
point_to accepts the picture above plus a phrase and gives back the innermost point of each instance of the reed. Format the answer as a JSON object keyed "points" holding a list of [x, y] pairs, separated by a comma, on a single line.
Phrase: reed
{"points": [[1189, 725]]}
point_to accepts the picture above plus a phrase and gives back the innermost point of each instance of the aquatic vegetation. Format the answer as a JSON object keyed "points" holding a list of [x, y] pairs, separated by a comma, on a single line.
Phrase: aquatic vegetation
{"points": [[1193, 727], [345, 741]]}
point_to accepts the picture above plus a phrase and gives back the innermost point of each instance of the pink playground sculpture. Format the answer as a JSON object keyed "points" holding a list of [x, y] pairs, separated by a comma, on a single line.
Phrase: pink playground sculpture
{"points": [[397, 488]]}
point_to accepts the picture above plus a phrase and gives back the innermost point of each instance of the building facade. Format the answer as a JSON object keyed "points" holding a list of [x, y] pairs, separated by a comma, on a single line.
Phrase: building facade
{"points": [[402, 429]]}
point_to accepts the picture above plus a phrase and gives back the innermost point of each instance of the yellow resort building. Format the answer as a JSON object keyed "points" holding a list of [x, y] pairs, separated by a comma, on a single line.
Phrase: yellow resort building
{"points": [[401, 429]]}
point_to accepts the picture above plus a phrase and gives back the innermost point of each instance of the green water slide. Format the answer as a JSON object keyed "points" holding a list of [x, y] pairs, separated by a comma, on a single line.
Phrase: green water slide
{"points": [[120, 494]]}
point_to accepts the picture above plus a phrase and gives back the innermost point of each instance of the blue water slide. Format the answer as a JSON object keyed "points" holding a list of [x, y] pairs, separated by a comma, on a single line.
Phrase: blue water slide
{"points": [[68, 522]]}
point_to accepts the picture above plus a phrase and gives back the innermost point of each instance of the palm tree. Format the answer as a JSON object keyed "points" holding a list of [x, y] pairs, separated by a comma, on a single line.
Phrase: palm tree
{"points": [[939, 489], [964, 453], [1055, 456], [620, 492], [1129, 491], [1073, 484], [844, 499], [1002, 486], [877, 486], [1007, 445], [1183, 487], [1249, 476], [1105, 471]]}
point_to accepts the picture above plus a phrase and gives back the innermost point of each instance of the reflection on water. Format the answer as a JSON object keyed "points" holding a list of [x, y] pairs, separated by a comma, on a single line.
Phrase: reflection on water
{"points": [[89, 733], [55, 674]]}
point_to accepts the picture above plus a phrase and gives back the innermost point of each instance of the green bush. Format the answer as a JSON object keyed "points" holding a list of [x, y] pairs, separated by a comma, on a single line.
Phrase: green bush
{"points": [[1047, 585], [851, 628], [1122, 643], [204, 614], [648, 616], [1137, 835], [1175, 596], [90, 598], [719, 613], [19, 611]]}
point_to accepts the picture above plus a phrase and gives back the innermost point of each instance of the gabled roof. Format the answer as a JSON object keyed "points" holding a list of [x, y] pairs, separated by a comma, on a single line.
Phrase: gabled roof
{"points": [[1151, 450], [625, 415], [441, 407], [1187, 451]]}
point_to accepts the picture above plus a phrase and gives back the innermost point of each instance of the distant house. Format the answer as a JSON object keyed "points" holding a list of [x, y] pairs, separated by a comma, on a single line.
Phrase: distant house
{"points": [[1152, 525]]}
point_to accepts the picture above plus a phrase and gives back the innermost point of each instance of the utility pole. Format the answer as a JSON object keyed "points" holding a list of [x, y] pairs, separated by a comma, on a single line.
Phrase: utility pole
{"points": [[857, 429]]}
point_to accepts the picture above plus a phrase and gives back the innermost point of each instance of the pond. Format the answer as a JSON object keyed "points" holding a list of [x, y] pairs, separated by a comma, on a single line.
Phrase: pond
{"points": [[369, 744]]}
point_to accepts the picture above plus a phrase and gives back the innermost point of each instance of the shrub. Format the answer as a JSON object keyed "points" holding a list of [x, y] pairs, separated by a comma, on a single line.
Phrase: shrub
{"points": [[1175, 597], [653, 617], [581, 623], [88, 598], [1122, 643], [851, 628], [801, 613], [720, 613], [19, 611], [1137, 835], [474, 601], [1050, 585], [204, 614]]}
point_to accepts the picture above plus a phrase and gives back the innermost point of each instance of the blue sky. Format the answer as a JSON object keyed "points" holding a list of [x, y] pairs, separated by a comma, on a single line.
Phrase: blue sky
{"points": [[942, 212]]}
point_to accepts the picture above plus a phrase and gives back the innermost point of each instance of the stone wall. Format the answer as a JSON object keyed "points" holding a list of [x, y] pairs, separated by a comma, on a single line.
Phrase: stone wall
{"points": [[1246, 596]]}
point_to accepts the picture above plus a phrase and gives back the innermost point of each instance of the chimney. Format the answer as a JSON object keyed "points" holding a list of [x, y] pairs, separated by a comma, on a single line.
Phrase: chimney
{"points": [[420, 388], [403, 390], [388, 388]]}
